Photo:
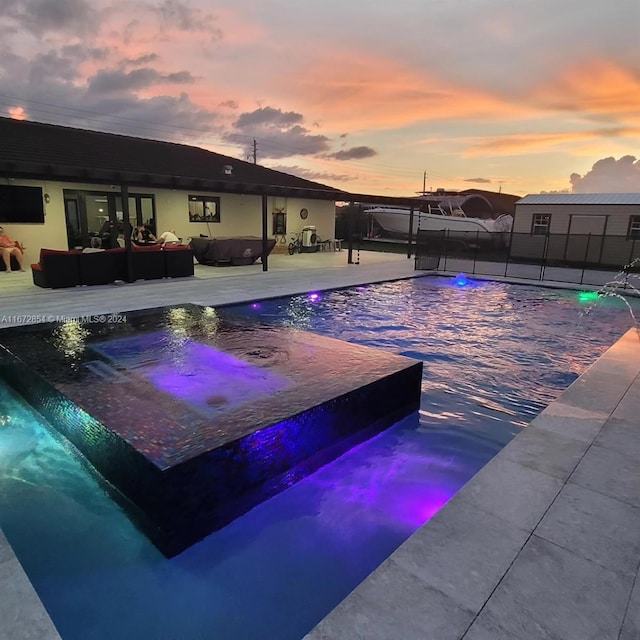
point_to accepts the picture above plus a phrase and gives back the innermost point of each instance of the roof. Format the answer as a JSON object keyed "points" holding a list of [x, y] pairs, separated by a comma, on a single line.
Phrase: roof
{"points": [[39, 151], [46, 151], [581, 198], [500, 202]]}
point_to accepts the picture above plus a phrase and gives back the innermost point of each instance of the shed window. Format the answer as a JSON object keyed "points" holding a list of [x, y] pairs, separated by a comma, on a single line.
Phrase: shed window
{"points": [[540, 224], [204, 209], [634, 227]]}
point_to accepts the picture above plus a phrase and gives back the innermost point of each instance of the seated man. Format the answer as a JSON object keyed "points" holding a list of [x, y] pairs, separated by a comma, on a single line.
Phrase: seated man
{"points": [[8, 248], [168, 238], [142, 236]]}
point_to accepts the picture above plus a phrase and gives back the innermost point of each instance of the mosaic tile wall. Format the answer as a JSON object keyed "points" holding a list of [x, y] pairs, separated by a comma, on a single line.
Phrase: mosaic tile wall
{"points": [[184, 468]]}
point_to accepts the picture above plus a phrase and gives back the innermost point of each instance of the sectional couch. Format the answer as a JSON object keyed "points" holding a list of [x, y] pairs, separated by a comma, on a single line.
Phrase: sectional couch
{"points": [[58, 269]]}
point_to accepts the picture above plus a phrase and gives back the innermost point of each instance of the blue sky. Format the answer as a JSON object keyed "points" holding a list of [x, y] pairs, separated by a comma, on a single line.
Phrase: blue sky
{"points": [[520, 95]]}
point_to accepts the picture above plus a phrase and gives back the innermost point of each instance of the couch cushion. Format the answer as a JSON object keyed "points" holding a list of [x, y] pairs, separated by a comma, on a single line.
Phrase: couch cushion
{"points": [[57, 252], [147, 247]]}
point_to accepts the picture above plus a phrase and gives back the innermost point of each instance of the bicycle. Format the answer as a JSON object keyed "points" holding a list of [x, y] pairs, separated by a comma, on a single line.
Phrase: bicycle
{"points": [[295, 246]]}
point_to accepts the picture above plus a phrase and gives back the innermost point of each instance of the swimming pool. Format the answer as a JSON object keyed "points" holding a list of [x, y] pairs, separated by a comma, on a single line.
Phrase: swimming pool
{"points": [[494, 355]]}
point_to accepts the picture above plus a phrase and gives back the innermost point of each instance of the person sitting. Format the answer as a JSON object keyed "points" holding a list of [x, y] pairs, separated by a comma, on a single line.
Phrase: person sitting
{"points": [[142, 236], [168, 238], [8, 248], [96, 246]]}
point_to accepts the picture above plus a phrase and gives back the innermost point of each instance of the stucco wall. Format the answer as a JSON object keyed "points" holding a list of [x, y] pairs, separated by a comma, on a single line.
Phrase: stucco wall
{"points": [[240, 215]]}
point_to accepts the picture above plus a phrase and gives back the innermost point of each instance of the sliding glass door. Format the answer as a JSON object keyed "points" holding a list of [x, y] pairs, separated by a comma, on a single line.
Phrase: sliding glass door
{"points": [[100, 214]]}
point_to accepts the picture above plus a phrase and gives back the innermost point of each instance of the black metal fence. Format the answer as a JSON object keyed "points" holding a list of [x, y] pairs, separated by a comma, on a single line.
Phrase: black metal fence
{"points": [[561, 257]]}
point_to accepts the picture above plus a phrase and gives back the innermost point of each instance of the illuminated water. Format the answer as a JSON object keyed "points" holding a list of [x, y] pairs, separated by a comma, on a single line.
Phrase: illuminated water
{"points": [[494, 356]]}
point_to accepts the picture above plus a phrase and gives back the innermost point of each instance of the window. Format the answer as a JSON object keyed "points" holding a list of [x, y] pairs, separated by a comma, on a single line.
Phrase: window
{"points": [[279, 220], [634, 227], [540, 224], [204, 209]]}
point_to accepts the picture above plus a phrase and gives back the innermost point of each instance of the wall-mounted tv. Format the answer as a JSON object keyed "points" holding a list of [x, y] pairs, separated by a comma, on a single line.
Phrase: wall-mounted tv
{"points": [[21, 204]]}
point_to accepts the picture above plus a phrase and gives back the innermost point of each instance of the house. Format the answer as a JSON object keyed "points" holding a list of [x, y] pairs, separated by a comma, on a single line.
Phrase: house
{"points": [[60, 186], [589, 228]]}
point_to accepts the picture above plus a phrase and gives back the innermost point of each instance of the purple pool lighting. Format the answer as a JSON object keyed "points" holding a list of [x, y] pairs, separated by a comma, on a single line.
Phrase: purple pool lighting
{"points": [[211, 380], [255, 305], [314, 297]]}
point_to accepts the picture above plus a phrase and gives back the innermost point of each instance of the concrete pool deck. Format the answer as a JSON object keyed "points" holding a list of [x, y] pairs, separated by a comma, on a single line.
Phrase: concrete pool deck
{"points": [[544, 542]]}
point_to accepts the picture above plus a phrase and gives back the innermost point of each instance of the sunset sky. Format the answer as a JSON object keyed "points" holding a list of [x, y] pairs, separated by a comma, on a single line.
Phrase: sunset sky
{"points": [[521, 96]]}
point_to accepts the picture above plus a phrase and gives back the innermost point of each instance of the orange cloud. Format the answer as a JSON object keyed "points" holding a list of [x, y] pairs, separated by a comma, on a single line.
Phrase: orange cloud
{"points": [[363, 90], [543, 142], [17, 113], [598, 88]]}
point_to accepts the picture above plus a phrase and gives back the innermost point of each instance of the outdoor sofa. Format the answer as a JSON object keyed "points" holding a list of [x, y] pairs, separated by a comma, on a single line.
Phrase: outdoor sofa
{"points": [[59, 269]]}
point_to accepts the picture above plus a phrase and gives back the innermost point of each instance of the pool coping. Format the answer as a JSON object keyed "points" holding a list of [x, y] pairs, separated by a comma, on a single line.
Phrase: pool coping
{"points": [[28, 615], [554, 513], [22, 613]]}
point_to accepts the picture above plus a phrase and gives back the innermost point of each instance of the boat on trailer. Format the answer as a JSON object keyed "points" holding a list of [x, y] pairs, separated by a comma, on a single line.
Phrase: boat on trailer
{"points": [[395, 222]]}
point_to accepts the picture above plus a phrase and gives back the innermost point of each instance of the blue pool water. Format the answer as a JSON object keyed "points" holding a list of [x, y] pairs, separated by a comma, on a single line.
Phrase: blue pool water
{"points": [[494, 355]]}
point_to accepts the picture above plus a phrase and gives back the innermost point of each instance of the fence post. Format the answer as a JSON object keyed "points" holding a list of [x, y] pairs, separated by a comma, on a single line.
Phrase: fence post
{"points": [[566, 248], [475, 252], [445, 237], [586, 257], [545, 251], [410, 233], [506, 262]]}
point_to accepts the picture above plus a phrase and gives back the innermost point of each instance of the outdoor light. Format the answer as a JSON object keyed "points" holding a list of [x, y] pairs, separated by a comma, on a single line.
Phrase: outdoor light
{"points": [[587, 296]]}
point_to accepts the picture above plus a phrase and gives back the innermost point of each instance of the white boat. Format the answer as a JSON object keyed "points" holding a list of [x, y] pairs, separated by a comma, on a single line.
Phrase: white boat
{"points": [[395, 221]]}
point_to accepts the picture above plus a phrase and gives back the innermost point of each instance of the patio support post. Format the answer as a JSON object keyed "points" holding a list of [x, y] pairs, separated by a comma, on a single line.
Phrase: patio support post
{"points": [[265, 230], [350, 215], [127, 230]]}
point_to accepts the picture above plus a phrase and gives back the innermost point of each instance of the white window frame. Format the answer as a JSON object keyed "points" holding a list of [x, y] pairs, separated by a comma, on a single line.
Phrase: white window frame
{"points": [[540, 224], [634, 227]]}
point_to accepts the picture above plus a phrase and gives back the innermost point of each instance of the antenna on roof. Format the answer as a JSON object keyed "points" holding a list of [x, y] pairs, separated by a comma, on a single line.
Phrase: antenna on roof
{"points": [[424, 185]]}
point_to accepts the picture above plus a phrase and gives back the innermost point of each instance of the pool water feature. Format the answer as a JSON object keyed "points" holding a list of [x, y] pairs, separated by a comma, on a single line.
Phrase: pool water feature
{"points": [[494, 355]]}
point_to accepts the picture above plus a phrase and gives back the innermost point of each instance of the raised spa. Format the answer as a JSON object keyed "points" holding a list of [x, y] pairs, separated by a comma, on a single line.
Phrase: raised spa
{"points": [[194, 417]]}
